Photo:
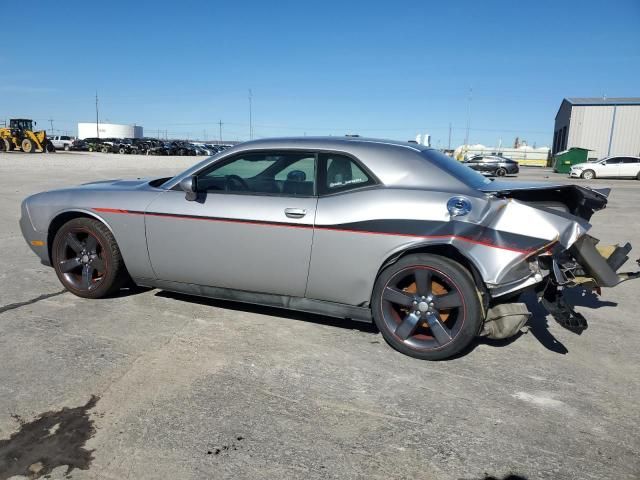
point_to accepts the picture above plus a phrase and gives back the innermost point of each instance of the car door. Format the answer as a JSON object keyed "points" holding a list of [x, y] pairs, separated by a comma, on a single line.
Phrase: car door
{"points": [[488, 165], [629, 167], [474, 162], [609, 167], [251, 227]]}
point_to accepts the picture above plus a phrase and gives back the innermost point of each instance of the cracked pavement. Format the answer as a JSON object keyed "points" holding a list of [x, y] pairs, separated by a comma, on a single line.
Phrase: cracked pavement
{"points": [[194, 388]]}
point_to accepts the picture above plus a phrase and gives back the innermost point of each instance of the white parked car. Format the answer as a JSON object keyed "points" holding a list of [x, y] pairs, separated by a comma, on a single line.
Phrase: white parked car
{"points": [[610, 167], [62, 142]]}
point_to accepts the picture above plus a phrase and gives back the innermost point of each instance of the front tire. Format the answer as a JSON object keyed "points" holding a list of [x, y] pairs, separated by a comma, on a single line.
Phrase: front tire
{"points": [[87, 259], [28, 146], [588, 175], [427, 306]]}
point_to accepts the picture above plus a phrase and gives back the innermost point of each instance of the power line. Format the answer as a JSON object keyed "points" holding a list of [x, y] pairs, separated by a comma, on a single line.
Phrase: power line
{"points": [[466, 138], [97, 128], [250, 116]]}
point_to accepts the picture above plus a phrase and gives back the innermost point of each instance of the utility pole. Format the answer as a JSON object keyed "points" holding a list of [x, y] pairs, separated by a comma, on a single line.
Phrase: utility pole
{"points": [[51, 122], [97, 129], [449, 147], [466, 138], [220, 125], [250, 116]]}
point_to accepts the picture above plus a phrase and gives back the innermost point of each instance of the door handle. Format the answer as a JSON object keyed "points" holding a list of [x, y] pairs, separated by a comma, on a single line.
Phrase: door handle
{"points": [[295, 212]]}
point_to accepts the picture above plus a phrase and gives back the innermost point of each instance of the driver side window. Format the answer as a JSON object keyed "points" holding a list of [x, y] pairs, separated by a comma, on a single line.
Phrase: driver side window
{"points": [[267, 173]]}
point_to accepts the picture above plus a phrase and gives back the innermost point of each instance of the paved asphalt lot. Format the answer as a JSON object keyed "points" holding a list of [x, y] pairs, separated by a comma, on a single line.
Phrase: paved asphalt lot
{"points": [[191, 388]]}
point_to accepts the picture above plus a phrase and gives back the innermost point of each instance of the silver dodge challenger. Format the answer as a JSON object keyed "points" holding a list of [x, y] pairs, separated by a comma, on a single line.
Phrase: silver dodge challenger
{"points": [[430, 250]]}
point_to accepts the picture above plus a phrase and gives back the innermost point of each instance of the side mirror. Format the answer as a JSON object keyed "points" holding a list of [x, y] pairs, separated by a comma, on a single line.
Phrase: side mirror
{"points": [[190, 187]]}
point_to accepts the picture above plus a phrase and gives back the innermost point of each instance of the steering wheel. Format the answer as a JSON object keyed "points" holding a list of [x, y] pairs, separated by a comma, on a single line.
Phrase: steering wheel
{"points": [[238, 180]]}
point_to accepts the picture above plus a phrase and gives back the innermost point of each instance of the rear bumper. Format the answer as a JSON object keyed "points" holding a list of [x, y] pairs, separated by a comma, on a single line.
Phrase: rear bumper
{"points": [[603, 270]]}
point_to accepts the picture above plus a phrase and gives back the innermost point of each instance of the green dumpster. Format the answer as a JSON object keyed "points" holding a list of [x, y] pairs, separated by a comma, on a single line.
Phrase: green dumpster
{"points": [[563, 160]]}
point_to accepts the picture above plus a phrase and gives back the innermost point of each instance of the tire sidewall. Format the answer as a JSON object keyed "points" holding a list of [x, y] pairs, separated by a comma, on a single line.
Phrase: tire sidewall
{"points": [[593, 175], [111, 274], [472, 308]]}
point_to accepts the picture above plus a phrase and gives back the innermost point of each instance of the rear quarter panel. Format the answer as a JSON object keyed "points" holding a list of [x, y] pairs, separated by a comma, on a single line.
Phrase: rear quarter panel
{"points": [[345, 259]]}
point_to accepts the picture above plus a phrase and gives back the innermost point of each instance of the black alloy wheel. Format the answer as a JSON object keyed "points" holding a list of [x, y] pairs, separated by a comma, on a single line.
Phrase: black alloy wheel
{"points": [[501, 172], [87, 259], [427, 306]]}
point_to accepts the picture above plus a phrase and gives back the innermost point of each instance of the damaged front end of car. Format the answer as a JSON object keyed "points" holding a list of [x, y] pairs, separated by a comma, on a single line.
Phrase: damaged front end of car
{"points": [[567, 256]]}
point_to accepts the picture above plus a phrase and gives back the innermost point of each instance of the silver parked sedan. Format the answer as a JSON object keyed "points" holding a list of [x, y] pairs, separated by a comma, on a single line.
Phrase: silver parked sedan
{"points": [[430, 250]]}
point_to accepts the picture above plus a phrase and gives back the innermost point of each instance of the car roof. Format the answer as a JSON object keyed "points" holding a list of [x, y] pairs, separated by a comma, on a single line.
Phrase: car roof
{"points": [[395, 163], [328, 143]]}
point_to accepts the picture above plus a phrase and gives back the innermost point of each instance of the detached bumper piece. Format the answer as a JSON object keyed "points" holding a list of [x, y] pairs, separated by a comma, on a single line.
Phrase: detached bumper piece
{"points": [[602, 263], [596, 267], [553, 300]]}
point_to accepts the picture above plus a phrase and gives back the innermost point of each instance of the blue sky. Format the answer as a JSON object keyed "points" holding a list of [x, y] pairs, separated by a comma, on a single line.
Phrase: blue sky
{"points": [[383, 69]]}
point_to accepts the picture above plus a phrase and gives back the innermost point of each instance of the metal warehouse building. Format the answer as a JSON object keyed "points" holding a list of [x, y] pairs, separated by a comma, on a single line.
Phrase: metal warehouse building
{"points": [[108, 130], [606, 126]]}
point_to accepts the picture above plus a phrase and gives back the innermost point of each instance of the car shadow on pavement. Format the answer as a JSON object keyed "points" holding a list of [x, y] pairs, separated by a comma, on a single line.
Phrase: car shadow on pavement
{"points": [[272, 311], [586, 298], [129, 291]]}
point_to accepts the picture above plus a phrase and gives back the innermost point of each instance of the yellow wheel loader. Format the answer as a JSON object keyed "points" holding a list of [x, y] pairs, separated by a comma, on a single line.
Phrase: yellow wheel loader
{"points": [[20, 136]]}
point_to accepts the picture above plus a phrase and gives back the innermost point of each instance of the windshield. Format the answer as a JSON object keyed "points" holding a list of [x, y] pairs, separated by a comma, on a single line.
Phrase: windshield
{"points": [[463, 173]]}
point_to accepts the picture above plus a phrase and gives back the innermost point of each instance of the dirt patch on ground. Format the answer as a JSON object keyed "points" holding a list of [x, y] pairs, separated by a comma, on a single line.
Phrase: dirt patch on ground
{"points": [[52, 440]]}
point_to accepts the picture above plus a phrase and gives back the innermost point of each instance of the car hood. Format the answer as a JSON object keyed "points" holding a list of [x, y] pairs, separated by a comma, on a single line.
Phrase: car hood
{"points": [[116, 184], [581, 201]]}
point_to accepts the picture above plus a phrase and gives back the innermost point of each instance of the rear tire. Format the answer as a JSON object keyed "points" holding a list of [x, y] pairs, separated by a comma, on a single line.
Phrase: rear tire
{"points": [[501, 172], [28, 146], [427, 306], [105, 149], [588, 175], [87, 259]]}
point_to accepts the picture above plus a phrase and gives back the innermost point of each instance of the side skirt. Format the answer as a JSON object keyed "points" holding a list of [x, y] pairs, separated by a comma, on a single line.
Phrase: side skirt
{"points": [[310, 305]]}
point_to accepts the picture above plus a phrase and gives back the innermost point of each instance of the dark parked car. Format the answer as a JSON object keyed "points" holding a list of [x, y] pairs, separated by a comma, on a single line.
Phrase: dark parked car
{"points": [[493, 165]]}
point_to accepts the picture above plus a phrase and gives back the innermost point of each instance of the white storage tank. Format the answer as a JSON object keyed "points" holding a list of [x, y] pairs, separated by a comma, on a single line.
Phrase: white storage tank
{"points": [[108, 130]]}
